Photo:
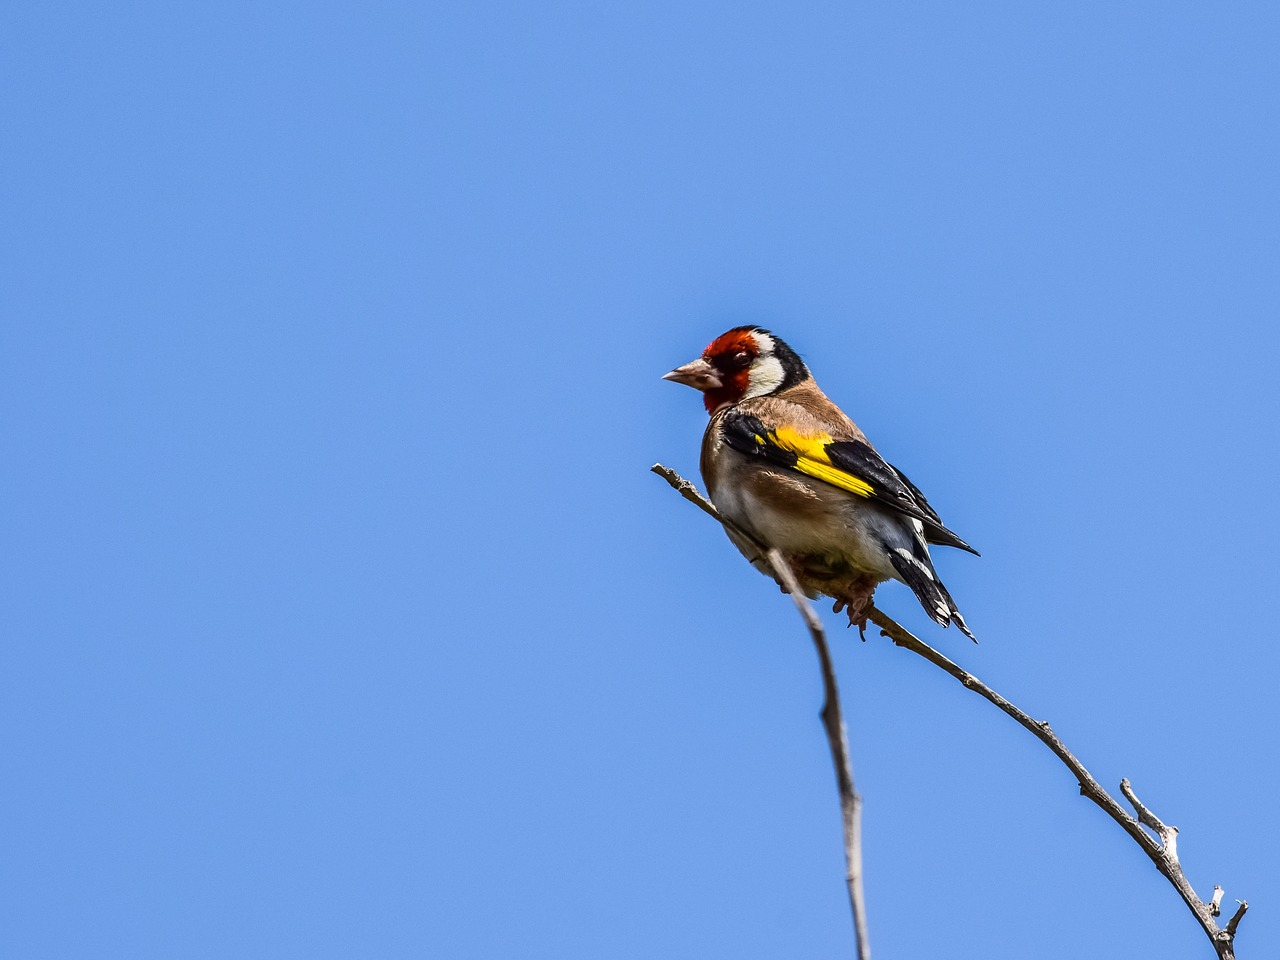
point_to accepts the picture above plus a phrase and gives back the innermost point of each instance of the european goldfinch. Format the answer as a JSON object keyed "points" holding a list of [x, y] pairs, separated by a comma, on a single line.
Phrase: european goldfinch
{"points": [[786, 465]]}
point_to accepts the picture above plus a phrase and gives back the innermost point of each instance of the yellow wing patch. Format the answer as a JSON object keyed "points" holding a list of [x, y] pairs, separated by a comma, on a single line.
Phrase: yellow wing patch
{"points": [[811, 458]]}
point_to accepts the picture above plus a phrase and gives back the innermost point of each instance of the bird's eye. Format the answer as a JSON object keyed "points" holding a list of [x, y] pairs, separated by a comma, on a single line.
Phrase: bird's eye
{"points": [[742, 359]]}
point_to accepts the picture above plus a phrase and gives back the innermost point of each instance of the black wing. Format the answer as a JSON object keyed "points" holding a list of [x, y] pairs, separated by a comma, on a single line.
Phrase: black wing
{"points": [[851, 465]]}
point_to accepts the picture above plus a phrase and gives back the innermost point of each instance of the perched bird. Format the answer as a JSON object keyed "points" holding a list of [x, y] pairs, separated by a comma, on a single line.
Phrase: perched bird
{"points": [[786, 465]]}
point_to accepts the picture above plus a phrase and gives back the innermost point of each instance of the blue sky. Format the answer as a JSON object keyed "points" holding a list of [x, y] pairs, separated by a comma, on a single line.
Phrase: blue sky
{"points": [[344, 617]]}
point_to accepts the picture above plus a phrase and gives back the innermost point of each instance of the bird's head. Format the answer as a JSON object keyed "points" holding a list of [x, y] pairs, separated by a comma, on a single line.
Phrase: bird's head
{"points": [[742, 363]]}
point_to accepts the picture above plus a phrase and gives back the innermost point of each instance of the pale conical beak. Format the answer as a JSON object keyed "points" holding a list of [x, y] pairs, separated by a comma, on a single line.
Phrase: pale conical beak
{"points": [[699, 374]]}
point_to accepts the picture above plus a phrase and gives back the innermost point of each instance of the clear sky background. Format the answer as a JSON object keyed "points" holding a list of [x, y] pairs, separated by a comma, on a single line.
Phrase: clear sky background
{"points": [[343, 617]]}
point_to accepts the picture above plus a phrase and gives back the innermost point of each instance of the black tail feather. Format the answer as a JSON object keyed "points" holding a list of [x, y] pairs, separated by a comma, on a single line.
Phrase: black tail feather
{"points": [[920, 576], [945, 538]]}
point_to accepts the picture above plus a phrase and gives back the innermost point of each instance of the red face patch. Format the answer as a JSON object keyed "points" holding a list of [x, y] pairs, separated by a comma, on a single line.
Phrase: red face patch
{"points": [[735, 341], [731, 354]]}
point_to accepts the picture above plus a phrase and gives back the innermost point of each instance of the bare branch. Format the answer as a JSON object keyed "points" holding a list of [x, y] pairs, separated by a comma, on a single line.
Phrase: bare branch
{"points": [[838, 739], [690, 493], [832, 717], [1163, 852]]}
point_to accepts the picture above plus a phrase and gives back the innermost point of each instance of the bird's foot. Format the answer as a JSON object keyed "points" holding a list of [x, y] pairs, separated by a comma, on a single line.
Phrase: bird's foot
{"points": [[861, 623], [856, 602]]}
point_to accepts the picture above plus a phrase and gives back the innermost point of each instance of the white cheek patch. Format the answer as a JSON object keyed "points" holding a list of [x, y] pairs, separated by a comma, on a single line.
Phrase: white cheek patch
{"points": [[766, 374]]}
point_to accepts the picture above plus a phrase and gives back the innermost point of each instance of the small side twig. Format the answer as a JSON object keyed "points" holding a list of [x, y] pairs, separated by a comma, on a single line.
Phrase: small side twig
{"points": [[1162, 852], [1215, 906], [1168, 835], [1236, 917]]}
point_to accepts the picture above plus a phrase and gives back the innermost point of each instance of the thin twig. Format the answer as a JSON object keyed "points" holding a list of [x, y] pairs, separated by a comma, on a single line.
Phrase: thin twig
{"points": [[832, 717], [1162, 852], [838, 739], [690, 493]]}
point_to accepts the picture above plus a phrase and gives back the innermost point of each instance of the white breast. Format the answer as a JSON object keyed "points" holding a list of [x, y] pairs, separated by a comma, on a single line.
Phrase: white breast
{"points": [[838, 527]]}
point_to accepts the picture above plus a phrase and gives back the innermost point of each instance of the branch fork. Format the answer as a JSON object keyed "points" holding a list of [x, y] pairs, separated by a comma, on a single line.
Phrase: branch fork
{"points": [[1163, 852]]}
